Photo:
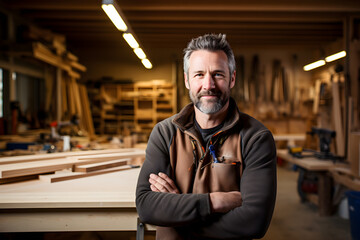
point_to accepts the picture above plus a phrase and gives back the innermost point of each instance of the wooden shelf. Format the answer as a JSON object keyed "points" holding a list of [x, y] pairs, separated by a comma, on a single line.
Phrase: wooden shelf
{"points": [[141, 104]]}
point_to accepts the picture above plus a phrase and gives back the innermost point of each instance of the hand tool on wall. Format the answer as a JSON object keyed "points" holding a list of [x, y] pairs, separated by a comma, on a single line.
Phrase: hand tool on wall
{"points": [[275, 80], [238, 90]]}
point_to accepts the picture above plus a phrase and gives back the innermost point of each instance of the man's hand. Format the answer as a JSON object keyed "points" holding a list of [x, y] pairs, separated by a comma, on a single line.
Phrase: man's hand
{"points": [[162, 183], [223, 202]]}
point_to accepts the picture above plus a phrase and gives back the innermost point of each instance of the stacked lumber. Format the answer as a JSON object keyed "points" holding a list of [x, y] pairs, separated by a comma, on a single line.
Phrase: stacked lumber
{"points": [[68, 165], [51, 48]]}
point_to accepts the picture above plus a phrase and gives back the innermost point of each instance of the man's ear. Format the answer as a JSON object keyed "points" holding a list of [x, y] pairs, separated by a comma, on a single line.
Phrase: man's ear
{"points": [[186, 81], [232, 80]]}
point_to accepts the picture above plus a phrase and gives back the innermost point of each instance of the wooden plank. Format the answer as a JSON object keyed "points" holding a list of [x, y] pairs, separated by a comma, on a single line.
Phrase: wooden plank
{"points": [[317, 97], [20, 159], [346, 180], [18, 179], [108, 156], [30, 168], [56, 40], [77, 99], [71, 100], [337, 116], [64, 97], [78, 66], [59, 46], [87, 116], [45, 166], [76, 175], [49, 84], [73, 74], [99, 166], [44, 54], [71, 57], [114, 190]]}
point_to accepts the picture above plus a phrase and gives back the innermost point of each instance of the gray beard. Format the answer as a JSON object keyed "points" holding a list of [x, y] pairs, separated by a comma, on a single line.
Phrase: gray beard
{"points": [[214, 106]]}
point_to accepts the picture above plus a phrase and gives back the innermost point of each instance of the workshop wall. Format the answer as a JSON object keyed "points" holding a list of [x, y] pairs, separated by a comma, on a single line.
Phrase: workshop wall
{"points": [[278, 117]]}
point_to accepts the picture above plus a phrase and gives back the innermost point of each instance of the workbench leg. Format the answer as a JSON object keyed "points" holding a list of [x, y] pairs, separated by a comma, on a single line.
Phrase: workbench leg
{"points": [[299, 184], [325, 194], [140, 230]]}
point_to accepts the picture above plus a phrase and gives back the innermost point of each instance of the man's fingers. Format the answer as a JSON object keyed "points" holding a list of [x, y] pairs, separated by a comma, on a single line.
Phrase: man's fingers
{"points": [[169, 181], [159, 183], [154, 189], [163, 184]]}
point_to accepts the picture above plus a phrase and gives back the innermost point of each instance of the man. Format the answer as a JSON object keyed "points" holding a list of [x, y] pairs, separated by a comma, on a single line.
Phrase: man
{"points": [[210, 170]]}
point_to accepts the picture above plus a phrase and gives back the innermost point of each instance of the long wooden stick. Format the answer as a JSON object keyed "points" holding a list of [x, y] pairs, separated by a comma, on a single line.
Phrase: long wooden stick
{"points": [[45, 166], [32, 158], [100, 166], [75, 175], [337, 116]]}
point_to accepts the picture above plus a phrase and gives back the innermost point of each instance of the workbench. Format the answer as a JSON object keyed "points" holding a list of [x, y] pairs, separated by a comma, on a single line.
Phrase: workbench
{"points": [[290, 138], [99, 203], [321, 168]]}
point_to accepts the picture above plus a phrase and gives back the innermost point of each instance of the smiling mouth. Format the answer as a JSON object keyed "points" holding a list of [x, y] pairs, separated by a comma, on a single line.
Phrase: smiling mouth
{"points": [[209, 95]]}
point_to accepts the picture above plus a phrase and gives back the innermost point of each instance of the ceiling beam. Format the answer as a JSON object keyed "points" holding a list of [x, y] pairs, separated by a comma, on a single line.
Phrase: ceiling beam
{"points": [[190, 5]]}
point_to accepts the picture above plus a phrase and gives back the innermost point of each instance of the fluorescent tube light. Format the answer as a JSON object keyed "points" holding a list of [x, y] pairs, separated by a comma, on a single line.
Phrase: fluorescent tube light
{"points": [[146, 63], [129, 38], [114, 16], [314, 65], [140, 53], [335, 56]]}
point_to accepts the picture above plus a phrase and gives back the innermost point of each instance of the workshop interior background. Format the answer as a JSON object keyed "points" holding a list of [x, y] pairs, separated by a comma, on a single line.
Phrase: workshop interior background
{"points": [[65, 70]]}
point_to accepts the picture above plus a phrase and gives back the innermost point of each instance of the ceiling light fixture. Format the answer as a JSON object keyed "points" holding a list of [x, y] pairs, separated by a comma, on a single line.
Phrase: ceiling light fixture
{"points": [[335, 56], [113, 12], [320, 63], [139, 53], [314, 65], [129, 38], [146, 63]]}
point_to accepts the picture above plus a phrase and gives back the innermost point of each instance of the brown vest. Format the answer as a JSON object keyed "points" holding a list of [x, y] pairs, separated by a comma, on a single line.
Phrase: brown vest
{"points": [[208, 176]]}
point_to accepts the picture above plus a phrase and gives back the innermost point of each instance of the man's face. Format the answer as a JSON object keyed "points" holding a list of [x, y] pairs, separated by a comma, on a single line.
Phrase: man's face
{"points": [[209, 80]]}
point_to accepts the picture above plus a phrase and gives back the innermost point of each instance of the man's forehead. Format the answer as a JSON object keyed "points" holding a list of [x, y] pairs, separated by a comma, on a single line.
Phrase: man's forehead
{"points": [[203, 58], [220, 53]]}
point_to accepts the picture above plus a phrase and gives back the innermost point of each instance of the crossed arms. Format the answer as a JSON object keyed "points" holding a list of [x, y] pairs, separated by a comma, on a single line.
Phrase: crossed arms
{"points": [[220, 202]]}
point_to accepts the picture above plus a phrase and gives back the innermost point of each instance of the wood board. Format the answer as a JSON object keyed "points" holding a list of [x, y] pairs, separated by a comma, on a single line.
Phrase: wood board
{"points": [[20, 159], [59, 177], [337, 116], [45, 166], [99, 166]]}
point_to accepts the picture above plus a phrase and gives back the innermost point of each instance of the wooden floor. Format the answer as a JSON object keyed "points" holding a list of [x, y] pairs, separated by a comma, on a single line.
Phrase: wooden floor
{"points": [[292, 220]]}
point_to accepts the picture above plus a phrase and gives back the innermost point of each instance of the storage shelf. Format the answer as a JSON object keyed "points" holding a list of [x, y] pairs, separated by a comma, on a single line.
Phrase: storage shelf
{"points": [[142, 104]]}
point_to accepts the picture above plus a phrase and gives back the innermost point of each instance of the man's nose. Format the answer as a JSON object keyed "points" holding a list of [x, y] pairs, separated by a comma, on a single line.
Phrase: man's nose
{"points": [[208, 82]]}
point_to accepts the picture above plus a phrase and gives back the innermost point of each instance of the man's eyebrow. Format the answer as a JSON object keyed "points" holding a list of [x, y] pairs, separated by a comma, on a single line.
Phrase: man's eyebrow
{"points": [[219, 71], [197, 71]]}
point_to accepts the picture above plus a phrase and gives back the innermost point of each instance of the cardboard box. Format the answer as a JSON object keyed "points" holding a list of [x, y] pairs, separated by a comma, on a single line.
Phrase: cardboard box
{"points": [[354, 153]]}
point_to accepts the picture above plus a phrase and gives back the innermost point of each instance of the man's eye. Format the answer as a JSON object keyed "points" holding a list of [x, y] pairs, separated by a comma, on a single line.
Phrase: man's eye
{"points": [[199, 75], [218, 75]]}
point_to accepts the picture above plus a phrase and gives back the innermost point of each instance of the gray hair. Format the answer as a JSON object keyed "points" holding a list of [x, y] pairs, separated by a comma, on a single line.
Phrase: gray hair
{"points": [[210, 42]]}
